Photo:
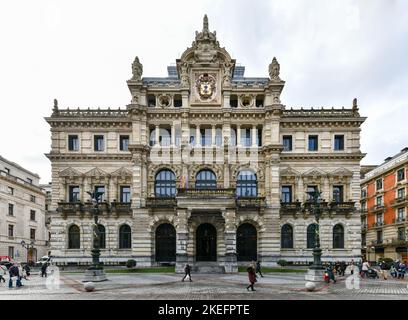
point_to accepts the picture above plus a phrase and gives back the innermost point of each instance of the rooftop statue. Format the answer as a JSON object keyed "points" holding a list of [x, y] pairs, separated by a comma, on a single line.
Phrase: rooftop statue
{"points": [[274, 70], [137, 70]]}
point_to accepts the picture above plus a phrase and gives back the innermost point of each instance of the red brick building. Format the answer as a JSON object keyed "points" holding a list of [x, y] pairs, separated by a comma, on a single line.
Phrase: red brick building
{"points": [[384, 209]]}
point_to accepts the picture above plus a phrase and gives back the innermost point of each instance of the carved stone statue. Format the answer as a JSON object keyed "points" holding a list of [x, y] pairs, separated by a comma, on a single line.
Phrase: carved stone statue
{"points": [[185, 79], [137, 69], [55, 108], [274, 70], [227, 73]]}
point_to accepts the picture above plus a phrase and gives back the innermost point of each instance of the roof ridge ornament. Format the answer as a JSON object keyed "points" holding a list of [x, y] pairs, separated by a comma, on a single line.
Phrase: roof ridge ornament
{"points": [[205, 23]]}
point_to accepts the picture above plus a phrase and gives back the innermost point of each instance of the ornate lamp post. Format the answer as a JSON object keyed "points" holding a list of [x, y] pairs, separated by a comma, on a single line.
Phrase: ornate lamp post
{"points": [[95, 272], [314, 207], [28, 246]]}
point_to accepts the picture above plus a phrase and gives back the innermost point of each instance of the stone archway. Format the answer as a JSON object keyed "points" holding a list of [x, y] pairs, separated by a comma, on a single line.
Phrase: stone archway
{"points": [[247, 239], [165, 243]]}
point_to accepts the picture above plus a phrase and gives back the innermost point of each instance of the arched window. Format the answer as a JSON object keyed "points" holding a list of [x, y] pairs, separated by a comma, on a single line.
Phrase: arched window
{"points": [[165, 184], [287, 237], [247, 242], [165, 243], [311, 235], [74, 237], [125, 237], [102, 237], [205, 179], [246, 184], [164, 137], [338, 237]]}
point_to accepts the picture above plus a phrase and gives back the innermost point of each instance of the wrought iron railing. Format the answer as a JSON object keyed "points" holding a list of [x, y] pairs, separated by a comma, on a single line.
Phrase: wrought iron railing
{"points": [[161, 202], [206, 193], [290, 207], [250, 202], [121, 207], [399, 201], [342, 207]]}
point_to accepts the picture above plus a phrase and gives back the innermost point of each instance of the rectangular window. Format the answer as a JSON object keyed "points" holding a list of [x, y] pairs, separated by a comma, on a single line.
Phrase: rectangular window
{"points": [[310, 191], [401, 234], [363, 239], [287, 143], [32, 234], [364, 193], [401, 174], [32, 198], [379, 184], [124, 143], [259, 137], [338, 194], [10, 190], [73, 143], [100, 189], [11, 252], [401, 193], [73, 194], [379, 201], [30, 181], [313, 143], [363, 205], [7, 171], [11, 230], [339, 142], [11, 209], [379, 236], [379, 219], [400, 214], [99, 143], [286, 194], [125, 194], [32, 215]]}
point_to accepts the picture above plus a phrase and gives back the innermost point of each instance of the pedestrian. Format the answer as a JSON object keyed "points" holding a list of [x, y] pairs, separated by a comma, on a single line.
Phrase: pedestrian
{"points": [[44, 269], [402, 269], [27, 270], [343, 267], [258, 268], [383, 269], [364, 269], [330, 271], [251, 277], [14, 272], [187, 271], [393, 271], [3, 272]]}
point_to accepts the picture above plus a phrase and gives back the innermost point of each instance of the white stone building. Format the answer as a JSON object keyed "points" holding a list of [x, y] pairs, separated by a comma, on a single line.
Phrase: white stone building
{"points": [[22, 214], [205, 166]]}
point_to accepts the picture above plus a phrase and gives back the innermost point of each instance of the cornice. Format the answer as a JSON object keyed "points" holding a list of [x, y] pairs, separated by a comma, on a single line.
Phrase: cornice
{"points": [[88, 156], [322, 156]]}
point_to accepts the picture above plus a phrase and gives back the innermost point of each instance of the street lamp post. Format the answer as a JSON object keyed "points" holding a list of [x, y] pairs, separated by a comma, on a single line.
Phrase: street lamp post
{"points": [[95, 272], [316, 270], [28, 246]]}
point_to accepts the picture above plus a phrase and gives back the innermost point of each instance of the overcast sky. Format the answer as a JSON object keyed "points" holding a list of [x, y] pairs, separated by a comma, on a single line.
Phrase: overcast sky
{"points": [[80, 52]]}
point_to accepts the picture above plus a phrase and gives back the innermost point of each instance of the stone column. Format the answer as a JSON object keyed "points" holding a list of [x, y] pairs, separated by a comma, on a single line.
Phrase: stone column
{"points": [[254, 135], [198, 135], [173, 135], [182, 239], [231, 265], [300, 191], [157, 132], [238, 135], [213, 131]]}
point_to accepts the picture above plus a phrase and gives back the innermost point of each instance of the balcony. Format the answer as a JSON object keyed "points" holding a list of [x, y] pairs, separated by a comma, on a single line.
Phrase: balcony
{"points": [[363, 212], [378, 208], [342, 207], [206, 193], [378, 242], [378, 224], [161, 202], [399, 242], [399, 201], [120, 207], [399, 220], [250, 202], [290, 207], [324, 206], [70, 207]]}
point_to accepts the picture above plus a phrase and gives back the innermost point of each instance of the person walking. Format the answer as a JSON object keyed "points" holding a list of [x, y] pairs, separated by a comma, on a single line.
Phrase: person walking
{"points": [[330, 272], [364, 269], [258, 268], [14, 272], [383, 269], [402, 269], [251, 277], [27, 270], [393, 271], [44, 269], [187, 271], [3, 272]]}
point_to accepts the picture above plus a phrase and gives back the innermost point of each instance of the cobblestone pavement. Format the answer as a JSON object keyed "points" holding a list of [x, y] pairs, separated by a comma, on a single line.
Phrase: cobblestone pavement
{"points": [[204, 286]]}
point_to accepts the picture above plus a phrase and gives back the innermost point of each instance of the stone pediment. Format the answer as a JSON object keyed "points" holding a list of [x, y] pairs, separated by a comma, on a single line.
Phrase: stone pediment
{"points": [[289, 172], [96, 172], [314, 172], [70, 172], [122, 172], [341, 172]]}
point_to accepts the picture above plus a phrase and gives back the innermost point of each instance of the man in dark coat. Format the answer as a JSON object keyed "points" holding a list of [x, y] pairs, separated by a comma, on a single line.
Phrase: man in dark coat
{"points": [[251, 277], [187, 271], [44, 269], [258, 268]]}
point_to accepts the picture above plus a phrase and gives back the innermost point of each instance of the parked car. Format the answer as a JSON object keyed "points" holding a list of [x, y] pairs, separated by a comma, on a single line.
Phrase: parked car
{"points": [[43, 260], [6, 263]]}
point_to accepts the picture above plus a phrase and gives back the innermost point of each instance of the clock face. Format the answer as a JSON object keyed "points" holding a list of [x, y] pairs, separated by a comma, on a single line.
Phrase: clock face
{"points": [[205, 86]]}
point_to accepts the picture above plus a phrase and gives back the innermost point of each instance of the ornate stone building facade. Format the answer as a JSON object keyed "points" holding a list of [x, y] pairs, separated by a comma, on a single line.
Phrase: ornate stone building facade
{"points": [[205, 166]]}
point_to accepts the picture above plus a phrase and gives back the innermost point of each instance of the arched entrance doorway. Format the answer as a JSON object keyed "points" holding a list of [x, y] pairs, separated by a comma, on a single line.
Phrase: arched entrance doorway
{"points": [[206, 243], [32, 255], [165, 243], [246, 242]]}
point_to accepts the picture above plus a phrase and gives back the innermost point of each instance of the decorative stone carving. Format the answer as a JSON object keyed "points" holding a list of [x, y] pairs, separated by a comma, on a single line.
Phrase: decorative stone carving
{"points": [[246, 100], [164, 100], [274, 70], [137, 70], [185, 79], [227, 73], [206, 86]]}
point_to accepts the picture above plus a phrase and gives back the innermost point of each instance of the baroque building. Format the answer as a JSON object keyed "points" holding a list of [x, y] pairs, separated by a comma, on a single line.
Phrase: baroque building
{"points": [[22, 214], [205, 166], [384, 204]]}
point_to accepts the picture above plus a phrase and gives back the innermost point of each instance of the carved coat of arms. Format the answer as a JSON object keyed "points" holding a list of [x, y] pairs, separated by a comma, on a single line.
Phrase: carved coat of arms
{"points": [[205, 86]]}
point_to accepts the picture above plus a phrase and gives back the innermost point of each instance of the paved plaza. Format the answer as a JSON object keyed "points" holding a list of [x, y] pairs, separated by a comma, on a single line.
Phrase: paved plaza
{"points": [[205, 286]]}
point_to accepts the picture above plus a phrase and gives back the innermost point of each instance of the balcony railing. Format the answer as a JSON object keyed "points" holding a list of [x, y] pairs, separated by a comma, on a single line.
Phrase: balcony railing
{"points": [[378, 207], [378, 224], [161, 202], [88, 207], [250, 202], [399, 242], [206, 193], [121, 207], [342, 207], [399, 220], [290, 207], [378, 242], [18, 180], [399, 201]]}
